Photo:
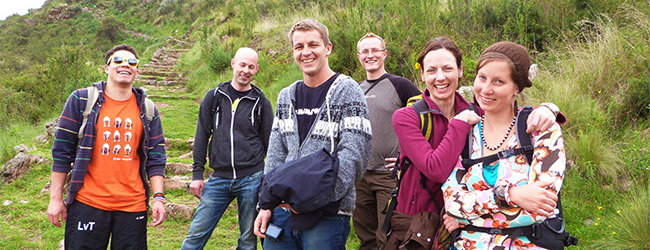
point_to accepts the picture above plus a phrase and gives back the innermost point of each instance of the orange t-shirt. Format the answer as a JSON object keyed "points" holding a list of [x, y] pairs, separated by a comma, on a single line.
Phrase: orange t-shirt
{"points": [[113, 181]]}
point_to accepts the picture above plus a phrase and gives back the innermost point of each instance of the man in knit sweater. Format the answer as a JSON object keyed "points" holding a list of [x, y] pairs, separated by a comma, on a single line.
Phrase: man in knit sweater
{"points": [[384, 93], [309, 112]]}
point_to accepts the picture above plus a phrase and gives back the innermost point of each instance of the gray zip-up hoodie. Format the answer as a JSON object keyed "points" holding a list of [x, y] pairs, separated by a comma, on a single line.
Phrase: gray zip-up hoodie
{"points": [[351, 128]]}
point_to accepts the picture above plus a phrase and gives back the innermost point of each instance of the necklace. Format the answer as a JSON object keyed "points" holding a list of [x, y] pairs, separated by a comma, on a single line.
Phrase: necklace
{"points": [[504, 138]]}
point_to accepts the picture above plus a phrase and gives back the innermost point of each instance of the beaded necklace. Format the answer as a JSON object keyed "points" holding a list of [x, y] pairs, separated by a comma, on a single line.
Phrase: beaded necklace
{"points": [[504, 138]]}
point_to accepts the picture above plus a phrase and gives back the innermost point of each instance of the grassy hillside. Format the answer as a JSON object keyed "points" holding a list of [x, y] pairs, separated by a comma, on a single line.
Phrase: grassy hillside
{"points": [[593, 58]]}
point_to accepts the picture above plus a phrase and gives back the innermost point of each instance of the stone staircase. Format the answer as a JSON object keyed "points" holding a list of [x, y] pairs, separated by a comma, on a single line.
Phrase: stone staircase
{"points": [[161, 69]]}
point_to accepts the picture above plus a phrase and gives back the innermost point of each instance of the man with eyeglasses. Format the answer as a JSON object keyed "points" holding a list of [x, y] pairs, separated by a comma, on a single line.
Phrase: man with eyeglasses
{"points": [[384, 94], [109, 194], [235, 119]]}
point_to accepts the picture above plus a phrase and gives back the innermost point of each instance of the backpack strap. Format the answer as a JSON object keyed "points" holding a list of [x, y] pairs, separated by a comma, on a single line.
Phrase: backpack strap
{"points": [[524, 139], [149, 109], [258, 116], [467, 150], [399, 171], [423, 111], [216, 99], [93, 95]]}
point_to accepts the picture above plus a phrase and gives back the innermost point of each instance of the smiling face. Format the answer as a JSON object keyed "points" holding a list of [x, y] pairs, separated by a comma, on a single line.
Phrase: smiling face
{"points": [[122, 74], [441, 74], [244, 68], [494, 88], [371, 53], [310, 52]]}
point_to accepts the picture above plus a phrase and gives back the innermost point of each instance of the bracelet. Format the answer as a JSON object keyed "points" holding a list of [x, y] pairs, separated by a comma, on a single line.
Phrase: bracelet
{"points": [[159, 194], [160, 198], [552, 107]]}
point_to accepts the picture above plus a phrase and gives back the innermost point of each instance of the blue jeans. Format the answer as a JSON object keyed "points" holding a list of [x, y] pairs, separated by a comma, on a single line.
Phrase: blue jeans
{"points": [[330, 233], [216, 197]]}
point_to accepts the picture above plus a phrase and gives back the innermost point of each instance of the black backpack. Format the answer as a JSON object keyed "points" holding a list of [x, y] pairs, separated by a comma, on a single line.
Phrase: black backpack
{"points": [[548, 234]]}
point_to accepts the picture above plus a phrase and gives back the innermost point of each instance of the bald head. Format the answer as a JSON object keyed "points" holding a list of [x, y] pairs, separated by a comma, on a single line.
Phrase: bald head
{"points": [[246, 52], [244, 67]]}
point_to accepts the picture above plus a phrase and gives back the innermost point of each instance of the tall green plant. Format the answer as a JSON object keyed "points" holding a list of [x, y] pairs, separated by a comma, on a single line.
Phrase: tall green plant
{"points": [[629, 228]]}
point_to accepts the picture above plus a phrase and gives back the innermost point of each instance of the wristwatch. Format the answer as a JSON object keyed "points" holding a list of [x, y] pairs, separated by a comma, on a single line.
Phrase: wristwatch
{"points": [[554, 108], [500, 195]]}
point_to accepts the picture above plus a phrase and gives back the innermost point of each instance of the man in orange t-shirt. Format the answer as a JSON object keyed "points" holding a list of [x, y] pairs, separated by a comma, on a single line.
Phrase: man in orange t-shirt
{"points": [[120, 147]]}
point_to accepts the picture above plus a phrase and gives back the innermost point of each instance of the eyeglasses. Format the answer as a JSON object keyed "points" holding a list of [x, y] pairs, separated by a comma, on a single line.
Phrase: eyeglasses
{"points": [[374, 51], [118, 60]]}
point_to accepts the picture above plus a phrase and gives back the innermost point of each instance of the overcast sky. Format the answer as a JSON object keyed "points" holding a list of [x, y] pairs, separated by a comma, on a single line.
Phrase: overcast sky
{"points": [[10, 7]]}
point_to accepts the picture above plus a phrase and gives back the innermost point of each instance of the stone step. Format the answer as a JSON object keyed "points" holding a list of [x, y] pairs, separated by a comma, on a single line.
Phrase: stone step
{"points": [[158, 73], [158, 67], [146, 78], [163, 60], [165, 82], [159, 55]]}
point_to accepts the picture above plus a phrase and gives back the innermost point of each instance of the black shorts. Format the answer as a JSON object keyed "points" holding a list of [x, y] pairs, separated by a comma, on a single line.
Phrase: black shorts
{"points": [[90, 228]]}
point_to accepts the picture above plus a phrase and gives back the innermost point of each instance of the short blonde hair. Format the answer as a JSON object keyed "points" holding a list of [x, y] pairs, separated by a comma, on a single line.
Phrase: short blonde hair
{"points": [[372, 35], [307, 25]]}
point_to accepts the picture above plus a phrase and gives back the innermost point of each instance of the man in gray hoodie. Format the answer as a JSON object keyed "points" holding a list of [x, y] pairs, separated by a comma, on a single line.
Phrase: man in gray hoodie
{"points": [[309, 112]]}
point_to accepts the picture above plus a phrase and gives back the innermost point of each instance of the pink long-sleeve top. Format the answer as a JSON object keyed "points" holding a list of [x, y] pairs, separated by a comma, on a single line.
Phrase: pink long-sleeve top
{"points": [[435, 158]]}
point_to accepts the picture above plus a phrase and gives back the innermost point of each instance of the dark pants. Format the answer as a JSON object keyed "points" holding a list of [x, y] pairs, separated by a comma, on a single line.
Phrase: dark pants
{"points": [[373, 192], [90, 228]]}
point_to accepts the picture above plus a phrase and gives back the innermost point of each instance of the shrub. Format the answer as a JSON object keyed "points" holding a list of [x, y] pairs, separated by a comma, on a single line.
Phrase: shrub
{"points": [[110, 28], [218, 58], [595, 155]]}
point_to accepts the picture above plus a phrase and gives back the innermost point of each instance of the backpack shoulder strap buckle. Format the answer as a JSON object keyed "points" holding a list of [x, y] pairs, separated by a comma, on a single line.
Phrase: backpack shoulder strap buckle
{"points": [[505, 153]]}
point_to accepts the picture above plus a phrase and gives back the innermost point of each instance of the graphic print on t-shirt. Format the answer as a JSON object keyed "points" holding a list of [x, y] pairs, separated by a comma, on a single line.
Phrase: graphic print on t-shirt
{"points": [[117, 139], [117, 131]]}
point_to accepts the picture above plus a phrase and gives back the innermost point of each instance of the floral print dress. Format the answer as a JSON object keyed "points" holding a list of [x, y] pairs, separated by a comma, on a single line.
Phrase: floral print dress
{"points": [[470, 199]]}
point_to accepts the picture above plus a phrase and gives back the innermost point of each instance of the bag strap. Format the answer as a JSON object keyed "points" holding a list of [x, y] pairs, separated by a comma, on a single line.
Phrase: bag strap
{"points": [[329, 115], [423, 111], [524, 140], [381, 78], [398, 171], [93, 95], [149, 109], [467, 150], [216, 99]]}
